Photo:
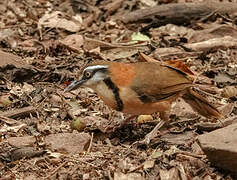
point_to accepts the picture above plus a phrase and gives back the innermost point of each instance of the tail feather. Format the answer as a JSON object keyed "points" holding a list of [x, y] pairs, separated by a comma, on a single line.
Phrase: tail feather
{"points": [[201, 104]]}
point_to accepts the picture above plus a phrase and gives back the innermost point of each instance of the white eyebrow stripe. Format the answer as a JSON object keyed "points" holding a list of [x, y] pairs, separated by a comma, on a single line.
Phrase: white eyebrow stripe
{"points": [[96, 67]]}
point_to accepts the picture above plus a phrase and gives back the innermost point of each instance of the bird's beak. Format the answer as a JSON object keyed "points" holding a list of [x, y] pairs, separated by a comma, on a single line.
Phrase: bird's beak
{"points": [[74, 85]]}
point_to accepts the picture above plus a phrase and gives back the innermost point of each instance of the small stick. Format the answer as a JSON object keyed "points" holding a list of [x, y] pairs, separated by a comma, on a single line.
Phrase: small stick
{"points": [[51, 174], [89, 148]]}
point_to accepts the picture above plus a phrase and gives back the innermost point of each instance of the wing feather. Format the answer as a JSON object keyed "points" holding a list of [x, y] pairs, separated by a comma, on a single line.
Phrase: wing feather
{"points": [[154, 82]]}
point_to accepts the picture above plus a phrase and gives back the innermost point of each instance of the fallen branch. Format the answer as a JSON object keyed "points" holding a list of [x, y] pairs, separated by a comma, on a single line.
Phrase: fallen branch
{"points": [[213, 44], [18, 112], [179, 13], [204, 46]]}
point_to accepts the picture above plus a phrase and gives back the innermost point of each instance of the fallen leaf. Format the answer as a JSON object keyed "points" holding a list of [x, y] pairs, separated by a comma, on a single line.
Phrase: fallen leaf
{"points": [[56, 20], [137, 36], [129, 176], [5, 100], [173, 173], [15, 129], [73, 42], [157, 154], [148, 164], [229, 91]]}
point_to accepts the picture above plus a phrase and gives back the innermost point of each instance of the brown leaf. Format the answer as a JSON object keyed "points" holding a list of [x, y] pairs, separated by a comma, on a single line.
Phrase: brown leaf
{"points": [[173, 63], [73, 42], [180, 65]]}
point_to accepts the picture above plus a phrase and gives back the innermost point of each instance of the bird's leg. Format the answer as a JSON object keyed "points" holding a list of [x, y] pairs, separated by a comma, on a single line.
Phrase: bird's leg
{"points": [[164, 116]]}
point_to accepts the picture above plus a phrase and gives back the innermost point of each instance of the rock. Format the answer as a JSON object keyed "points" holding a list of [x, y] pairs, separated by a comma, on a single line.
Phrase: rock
{"points": [[68, 142], [220, 147]]}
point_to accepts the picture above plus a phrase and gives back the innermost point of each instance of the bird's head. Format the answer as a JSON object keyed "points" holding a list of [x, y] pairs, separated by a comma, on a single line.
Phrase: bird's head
{"points": [[91, 75]]}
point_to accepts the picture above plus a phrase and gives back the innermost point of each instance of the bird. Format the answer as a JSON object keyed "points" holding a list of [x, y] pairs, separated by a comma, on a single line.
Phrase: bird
{"points": [[142, 88]]}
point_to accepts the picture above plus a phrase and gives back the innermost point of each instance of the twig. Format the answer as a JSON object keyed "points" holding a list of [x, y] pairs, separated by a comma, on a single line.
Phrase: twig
{"points": [[51, 174], [185, 120], [89, 148], [79, 160]]}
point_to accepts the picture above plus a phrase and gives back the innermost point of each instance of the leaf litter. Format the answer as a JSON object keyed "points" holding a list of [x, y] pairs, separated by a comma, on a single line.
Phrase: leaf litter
{"points": [[44, 44]]}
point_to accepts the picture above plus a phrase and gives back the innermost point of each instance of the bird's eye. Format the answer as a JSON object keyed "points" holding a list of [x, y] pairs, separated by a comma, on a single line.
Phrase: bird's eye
{"points": [[87, 74]]}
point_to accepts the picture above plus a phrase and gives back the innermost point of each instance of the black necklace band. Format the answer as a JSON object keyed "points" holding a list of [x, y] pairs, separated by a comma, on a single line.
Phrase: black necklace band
{"points": [[115, 91]]}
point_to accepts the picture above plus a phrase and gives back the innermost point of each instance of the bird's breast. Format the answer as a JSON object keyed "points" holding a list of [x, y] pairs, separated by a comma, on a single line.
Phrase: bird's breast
{"points": [[106, 94], [131, 104]]}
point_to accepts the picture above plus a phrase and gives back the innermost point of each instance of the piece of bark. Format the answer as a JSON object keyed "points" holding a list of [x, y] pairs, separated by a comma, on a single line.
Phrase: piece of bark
{"points": [[68, 142], [7, 59], [11, 59], [19, 153], [213, 44], [179, 13], [113, 6], [204, 46], [25, 152], [8, 120], [13, 68], [220, 147], [213, 31], [22, 112], [21, 141], [207, 126]]}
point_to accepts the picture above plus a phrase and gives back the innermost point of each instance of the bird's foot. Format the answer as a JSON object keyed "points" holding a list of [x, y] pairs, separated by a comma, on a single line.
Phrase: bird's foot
{"points": [[151, 135]]}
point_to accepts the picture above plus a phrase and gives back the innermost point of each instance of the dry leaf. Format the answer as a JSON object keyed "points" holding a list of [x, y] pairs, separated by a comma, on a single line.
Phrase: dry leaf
{"points": [[74, 42], [56, 20], [148, 164]]}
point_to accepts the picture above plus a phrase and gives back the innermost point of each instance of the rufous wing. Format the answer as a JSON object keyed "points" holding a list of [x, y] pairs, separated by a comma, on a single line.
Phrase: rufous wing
{"points": [[154, 82]]}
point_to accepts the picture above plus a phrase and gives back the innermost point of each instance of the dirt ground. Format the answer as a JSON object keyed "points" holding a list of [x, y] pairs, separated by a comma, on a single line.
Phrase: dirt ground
{"points": [[46, 133]]}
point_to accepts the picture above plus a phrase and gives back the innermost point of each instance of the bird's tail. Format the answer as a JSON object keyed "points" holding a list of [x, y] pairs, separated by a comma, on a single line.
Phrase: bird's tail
{"points": [[200, 104]]}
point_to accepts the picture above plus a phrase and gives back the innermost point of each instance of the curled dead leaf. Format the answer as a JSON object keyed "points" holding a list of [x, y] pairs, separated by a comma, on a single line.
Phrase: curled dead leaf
{"points": [[229, 91]]}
